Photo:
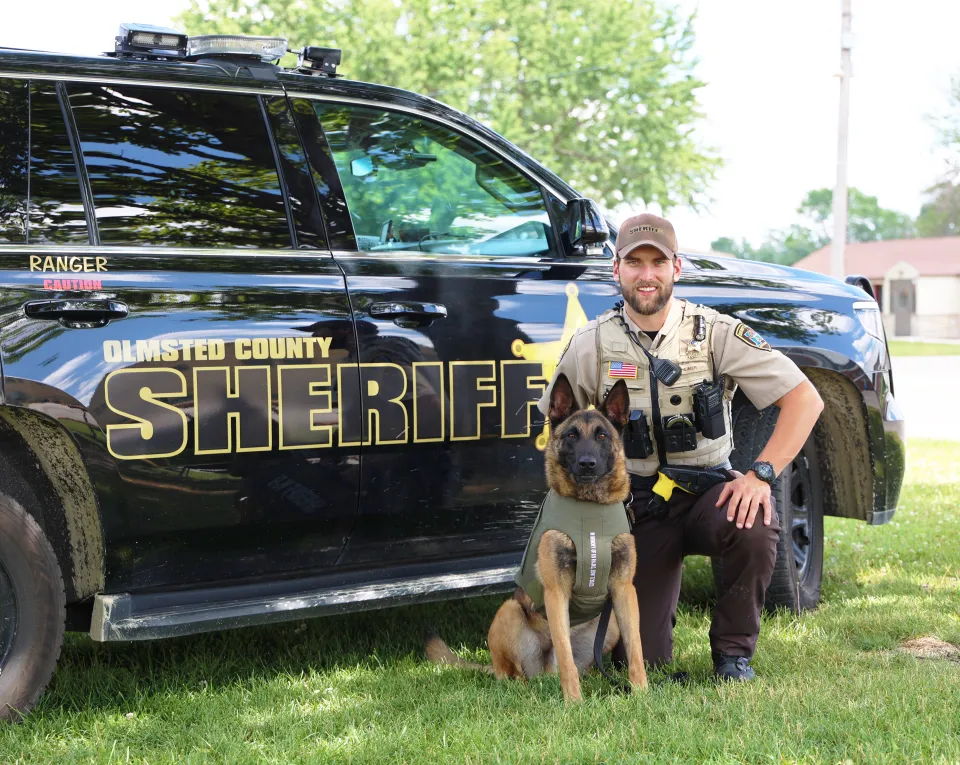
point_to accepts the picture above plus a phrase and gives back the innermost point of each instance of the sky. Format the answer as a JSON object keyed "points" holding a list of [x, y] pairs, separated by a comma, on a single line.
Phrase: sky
{"points": [[771, 98]]}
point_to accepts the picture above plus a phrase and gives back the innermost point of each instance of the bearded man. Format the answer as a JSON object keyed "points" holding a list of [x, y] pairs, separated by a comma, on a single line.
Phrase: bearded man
{"points": [[682, 363]]}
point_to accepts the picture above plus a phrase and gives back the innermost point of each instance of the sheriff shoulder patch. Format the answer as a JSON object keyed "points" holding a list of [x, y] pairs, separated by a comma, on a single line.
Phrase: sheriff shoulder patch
{"points": [[751, 338]]}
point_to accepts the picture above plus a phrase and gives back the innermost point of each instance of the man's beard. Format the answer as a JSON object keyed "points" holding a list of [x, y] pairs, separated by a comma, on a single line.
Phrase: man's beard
{"points": [[661, 298]]}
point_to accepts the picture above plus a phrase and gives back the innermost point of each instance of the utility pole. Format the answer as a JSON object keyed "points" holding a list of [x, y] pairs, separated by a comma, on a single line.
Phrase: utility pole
{"points": [[837, 266]]}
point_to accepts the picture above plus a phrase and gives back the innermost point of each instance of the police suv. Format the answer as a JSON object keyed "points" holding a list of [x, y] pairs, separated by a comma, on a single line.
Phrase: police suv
{"points": [[271, 342]]}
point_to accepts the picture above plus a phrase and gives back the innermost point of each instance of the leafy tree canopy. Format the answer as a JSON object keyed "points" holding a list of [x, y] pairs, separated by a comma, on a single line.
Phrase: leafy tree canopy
{"points": [[940, 215], [867, 221], [604, 96]]}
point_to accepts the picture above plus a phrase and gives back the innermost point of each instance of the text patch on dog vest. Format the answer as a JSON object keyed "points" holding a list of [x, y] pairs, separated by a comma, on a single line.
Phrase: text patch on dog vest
{"points": [[592, 528]]}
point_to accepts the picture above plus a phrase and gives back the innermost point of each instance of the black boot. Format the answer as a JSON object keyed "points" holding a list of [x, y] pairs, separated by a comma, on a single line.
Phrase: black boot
{"points": [[732, 668]]}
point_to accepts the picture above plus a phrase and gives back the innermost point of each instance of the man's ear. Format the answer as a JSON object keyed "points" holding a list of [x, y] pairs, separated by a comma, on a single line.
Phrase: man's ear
{"points": [[562, 401], [616, 406]]}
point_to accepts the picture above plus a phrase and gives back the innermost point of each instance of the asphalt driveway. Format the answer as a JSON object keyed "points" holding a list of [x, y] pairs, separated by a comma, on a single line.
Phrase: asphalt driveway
{"points": [[928, 390]]}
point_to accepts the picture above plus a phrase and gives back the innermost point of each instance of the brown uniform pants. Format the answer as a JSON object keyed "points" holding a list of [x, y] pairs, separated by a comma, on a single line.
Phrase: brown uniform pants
{"points": [[694, 526]]}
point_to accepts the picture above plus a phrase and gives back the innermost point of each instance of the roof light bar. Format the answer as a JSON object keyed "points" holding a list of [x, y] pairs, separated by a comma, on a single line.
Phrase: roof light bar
{"points": [[148, 40], [314, 60], [264, 48]]}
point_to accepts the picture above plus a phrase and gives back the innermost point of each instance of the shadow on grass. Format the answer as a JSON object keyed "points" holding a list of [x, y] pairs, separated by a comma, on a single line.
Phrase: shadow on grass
{"points": [[105, 676], [94, 675]]}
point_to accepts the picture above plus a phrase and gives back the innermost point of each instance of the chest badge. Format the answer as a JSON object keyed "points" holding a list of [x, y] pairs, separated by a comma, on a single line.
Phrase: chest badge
{"points": [[699, 335], [751, 338], [622, 369]]}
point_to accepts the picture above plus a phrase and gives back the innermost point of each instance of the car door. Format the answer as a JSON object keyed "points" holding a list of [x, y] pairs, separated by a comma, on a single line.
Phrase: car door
{"points": [[462, 300], [178, 310]]}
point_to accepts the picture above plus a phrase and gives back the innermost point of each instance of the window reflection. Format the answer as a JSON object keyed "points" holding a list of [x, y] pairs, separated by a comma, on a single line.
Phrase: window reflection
{"points": [[179, 167], [413, 184], [56, 205], [14, 109]]}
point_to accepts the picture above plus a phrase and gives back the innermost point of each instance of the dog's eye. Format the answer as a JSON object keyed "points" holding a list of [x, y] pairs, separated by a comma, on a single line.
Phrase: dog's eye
{"points": [[601, 435], [572, 435]]}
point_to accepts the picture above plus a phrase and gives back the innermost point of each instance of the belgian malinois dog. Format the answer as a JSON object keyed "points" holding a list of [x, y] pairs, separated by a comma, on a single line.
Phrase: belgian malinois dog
{"points": [[584, 461]]}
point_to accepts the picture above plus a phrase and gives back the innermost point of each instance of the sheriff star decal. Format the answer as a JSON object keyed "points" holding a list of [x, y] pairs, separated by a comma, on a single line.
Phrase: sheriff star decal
{"points": [[751, 338]]}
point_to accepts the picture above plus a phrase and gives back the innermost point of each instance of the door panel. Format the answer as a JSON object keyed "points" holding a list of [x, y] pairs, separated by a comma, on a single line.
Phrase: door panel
{"points": [[451, 465], [196, 415]]}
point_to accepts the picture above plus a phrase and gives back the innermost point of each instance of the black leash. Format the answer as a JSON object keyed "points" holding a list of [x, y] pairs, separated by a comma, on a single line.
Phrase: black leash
{"points": [[605, 621], [616, 682]]}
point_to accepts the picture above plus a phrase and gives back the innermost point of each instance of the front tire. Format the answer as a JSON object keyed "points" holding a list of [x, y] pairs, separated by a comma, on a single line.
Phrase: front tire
{"points": [[32, 610], [797, 493]]}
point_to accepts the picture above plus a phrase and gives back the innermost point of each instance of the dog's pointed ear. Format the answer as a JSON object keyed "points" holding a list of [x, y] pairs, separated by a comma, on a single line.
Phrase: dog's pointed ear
{"points": [[616, 406], [562, 401]]}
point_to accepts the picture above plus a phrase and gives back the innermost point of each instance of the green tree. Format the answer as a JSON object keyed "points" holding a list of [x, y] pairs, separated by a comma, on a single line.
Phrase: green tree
{"points": [[866, 222], [940, 214], [606, 97]]}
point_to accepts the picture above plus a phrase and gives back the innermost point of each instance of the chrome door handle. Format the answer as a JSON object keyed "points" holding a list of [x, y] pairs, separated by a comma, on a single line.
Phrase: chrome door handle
{"points": [[77, 314], [406, 310]]}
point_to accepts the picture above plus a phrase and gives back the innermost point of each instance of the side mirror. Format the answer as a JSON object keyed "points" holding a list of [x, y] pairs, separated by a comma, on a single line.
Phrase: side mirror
{"points": [[862, 282], [363, 166], [585, 225]]}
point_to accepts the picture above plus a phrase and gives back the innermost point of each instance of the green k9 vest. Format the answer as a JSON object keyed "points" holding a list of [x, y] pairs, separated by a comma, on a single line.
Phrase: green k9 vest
{"points": [[696, 364], [592, 528]]}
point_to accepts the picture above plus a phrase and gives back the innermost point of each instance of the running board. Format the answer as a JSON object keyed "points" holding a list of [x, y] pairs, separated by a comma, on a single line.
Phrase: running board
{"points": [[146, 616]]}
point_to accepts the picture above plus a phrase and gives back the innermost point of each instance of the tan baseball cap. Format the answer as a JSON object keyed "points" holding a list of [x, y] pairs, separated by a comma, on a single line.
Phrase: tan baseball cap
{"points": [[646, 229]]}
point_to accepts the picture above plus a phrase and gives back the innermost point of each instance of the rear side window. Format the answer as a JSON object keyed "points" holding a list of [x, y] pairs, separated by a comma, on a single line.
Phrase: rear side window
{"points": [[179, 167], [40, 200], [14, 160], [56, 204]]}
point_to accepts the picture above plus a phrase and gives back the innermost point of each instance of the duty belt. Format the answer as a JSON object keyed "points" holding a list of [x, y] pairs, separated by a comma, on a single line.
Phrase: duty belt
{"points": [[693, 481]]}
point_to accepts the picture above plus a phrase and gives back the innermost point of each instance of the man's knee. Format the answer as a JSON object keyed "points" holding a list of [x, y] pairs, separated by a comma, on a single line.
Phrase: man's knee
{"points": [[756, 540]]}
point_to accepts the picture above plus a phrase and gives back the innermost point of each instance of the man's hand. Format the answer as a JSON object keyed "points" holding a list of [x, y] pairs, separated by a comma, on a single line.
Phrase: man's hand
{"points": [[746, 494]]}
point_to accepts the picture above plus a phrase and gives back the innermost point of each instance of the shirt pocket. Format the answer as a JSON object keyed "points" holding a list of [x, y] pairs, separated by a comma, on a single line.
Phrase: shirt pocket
{"points": [[636, 387]]}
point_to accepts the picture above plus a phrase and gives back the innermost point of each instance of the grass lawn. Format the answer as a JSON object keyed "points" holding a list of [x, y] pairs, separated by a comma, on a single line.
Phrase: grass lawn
{"points": [[909, 348], [834, 685]]}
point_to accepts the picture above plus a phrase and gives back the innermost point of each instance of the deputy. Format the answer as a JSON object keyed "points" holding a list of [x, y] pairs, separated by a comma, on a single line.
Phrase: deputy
{"points": [[682, 363]]}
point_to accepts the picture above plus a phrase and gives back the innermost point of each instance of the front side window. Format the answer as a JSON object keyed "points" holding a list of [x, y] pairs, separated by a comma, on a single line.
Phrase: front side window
{"points": [[179, 167], [14, 153], [412, 184]]}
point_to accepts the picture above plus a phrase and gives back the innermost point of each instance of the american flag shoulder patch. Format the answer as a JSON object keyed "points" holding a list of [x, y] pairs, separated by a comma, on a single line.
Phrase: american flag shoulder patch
{"points": [[622, 369]]}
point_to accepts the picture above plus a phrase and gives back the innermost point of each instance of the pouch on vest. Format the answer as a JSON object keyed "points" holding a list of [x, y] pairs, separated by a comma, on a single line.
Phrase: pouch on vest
{"points": [[708, 408], [637, 444], [679, 433]]}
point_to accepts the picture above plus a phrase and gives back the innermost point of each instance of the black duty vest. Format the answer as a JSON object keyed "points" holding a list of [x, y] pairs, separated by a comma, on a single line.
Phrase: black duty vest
{"points": [[592, 528]]}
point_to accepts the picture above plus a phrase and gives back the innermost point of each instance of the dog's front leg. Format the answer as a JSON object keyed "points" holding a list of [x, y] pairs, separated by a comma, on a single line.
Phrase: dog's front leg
{"points": [[623, 565], [556, 567]]}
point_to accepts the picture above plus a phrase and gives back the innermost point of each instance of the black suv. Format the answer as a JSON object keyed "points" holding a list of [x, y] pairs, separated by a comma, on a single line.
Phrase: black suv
{"points": [[271, 342]]}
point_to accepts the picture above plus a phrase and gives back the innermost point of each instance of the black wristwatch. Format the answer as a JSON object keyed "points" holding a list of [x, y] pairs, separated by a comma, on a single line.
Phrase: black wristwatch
{"points": [[764, 471]]}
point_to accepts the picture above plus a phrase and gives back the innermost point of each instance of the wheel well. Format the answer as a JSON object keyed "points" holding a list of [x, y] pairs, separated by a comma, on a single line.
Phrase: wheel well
{"points": [[43, 471], [843, 446]]}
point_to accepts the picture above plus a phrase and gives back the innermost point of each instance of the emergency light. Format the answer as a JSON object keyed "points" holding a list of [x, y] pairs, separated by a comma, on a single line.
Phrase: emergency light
{"points": [[148, 40], [315, 60], [264, 48]]}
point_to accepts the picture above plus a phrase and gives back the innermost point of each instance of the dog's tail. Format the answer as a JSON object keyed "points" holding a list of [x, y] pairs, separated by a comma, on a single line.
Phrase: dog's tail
{"points": [[439, 653]]}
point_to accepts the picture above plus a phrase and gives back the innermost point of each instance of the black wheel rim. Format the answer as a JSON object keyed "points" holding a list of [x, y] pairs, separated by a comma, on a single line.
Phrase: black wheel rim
{"points": [[8, 615], [800, 532]]}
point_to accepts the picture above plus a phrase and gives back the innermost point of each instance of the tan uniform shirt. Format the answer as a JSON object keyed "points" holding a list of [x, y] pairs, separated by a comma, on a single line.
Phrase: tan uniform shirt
{"points": [[764, 374]]}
